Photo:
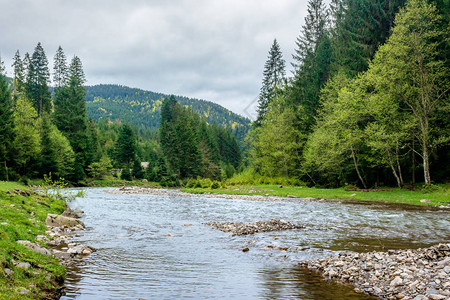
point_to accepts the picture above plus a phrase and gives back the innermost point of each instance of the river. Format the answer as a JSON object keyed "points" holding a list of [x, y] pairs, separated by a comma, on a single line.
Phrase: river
{"points": [[158, 247]]}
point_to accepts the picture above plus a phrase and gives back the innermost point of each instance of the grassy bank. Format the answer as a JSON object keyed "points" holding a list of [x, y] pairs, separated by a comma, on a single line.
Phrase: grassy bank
{"points": [[438, 195], [109, 181], [22, 217]]}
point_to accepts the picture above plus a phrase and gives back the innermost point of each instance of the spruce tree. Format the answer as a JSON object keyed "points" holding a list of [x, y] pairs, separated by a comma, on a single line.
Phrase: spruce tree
{"points": [[26, 66], [274, 73], [361, 27], [137, 171], [311, 33], [60, 70], [167, 133], [19, 74], [38, 78], [6, 128], [312, 60], [70, 114], [2, 67], [125, 148], [76, 73]]}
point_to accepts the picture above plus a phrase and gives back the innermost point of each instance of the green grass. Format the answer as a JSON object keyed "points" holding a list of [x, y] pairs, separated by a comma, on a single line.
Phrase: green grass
{"points": [[438, 196], [113, 181], [22, 217]]}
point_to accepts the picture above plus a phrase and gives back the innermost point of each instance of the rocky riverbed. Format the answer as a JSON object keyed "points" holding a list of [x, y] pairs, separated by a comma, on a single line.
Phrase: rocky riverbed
{"points": [[240, 228], [177, 192], [61, 228], [397, 274]]}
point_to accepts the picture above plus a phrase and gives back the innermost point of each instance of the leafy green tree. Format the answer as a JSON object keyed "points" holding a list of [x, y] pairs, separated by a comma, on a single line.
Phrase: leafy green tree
{"points": [[338, 138], [27, 140], [65, 156], [274, 75], [6, 128], [57, 156], [277, 143], [416, 75], [37, 80], [47, 157], [98, 170]]}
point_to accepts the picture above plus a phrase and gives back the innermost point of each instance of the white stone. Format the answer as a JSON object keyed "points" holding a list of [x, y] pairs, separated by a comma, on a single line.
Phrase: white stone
{"points": [[397, 281]]}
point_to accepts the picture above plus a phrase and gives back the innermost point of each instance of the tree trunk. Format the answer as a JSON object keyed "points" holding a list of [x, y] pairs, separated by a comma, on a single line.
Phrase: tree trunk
{"points": [[357, 169], [426, 164], [413, 158], [399, 168], [394, 172], [6, 170]]}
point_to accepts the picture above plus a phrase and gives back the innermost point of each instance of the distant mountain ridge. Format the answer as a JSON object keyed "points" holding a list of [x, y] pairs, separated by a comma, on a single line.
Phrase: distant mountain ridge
{"points": [[142, 108]]}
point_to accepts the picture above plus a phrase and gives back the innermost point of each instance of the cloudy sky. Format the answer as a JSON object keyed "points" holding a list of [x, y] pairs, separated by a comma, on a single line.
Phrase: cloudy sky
{"points": [[208, 49]]}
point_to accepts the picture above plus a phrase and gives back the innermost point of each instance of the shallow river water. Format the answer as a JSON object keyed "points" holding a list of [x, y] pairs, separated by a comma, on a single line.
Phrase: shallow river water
{"points": [[158, 247]]}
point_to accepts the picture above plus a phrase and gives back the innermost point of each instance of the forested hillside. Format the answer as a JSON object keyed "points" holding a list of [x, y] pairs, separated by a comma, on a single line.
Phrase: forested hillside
{"points": [[143, 108], [46, 131]]}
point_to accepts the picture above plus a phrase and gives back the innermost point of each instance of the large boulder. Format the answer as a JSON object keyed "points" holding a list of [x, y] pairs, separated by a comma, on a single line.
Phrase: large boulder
{"points": [[58, 221]]}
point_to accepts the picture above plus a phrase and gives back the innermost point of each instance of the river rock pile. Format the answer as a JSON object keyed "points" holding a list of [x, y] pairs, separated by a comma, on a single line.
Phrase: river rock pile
{"points": [[239, 228], [397, 274], [61, 228]]}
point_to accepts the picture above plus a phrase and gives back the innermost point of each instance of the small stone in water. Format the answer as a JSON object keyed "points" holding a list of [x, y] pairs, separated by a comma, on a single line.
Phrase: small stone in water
{"points": [[245, 250]]}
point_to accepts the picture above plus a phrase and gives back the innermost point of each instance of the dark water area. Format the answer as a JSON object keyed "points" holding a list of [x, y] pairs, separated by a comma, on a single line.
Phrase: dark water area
{"points": [[158, 247]]}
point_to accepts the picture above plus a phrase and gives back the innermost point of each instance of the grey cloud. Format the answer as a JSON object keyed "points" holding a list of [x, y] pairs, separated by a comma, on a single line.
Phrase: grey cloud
{"points": [[211, 49]]}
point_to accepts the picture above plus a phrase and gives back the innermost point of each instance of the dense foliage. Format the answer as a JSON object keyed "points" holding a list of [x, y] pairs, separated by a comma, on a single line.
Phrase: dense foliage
{"points": [[368, 102]]}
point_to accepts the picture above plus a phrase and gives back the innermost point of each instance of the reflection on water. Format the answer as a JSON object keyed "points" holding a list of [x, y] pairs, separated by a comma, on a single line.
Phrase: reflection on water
{"points": [[138, 259]]}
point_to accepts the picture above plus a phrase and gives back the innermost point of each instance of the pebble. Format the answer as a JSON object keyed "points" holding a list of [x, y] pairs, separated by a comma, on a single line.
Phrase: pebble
{"points": [[398, 274]]}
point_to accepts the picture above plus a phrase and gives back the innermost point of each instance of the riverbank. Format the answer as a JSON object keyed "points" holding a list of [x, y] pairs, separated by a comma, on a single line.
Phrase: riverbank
{"points": [[420, 274], [437, 196], [30, 223], [24, 273]]}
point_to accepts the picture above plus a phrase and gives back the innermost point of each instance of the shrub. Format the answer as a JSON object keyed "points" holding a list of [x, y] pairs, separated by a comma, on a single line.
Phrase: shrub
{"points": [[192, 183], [215, 185], [126, 174]]}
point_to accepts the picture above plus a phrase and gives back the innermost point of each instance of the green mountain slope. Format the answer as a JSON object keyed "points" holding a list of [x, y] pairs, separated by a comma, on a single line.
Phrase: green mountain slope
{"points": [[142, 108]]}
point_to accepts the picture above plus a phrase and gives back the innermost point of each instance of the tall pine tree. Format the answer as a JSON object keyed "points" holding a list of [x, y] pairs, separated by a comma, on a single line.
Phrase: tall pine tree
{"points": [[19, 74], [274, 73], [70, 114], [6, 128], [38, 78], [60, 71], [311, 33]]}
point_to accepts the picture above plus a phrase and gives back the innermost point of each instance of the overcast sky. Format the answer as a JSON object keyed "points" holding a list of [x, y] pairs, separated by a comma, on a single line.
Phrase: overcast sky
{"points": [[208, 49]]}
